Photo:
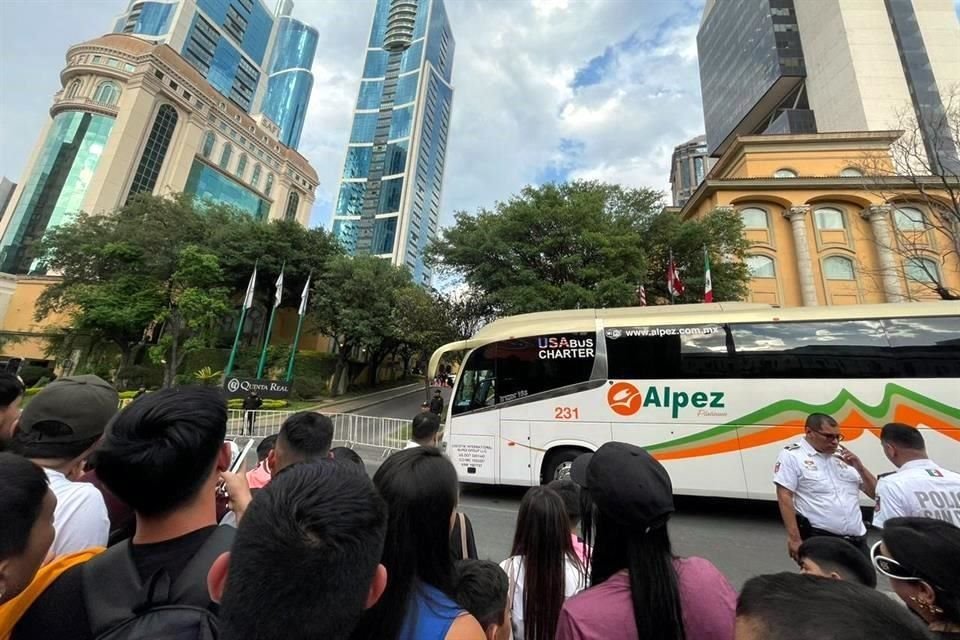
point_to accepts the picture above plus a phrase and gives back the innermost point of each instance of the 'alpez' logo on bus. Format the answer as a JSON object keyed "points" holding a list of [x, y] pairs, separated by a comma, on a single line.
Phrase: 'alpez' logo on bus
{"points": [[626, 399]]}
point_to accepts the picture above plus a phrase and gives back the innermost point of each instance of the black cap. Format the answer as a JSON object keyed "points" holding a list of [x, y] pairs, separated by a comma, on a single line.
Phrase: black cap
{"points": [[66, 417], [626, 483]]}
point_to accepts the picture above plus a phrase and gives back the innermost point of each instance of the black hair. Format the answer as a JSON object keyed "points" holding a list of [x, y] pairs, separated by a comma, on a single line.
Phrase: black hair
{"points": [[569, 492], [346, 454], [648, 558], [307, 435], [21, 499], [161, 449], [11, 388], [420, 487], [792, 606], [304, 557], [425, 425], [542, 542], [482, 589], [266, 446], [816, 420], [930, 550], [836, 554], [902, 435]]}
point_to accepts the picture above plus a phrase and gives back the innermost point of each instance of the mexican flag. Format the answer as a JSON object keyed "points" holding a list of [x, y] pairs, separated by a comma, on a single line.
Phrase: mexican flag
{"points": [[707, 279]]}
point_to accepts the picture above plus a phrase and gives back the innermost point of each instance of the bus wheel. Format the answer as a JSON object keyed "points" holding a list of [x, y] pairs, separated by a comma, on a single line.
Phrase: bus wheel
{"points": [[558, 463]]}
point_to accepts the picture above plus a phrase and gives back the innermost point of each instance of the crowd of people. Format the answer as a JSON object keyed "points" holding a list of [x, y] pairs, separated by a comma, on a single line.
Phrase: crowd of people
{"points": [[129, 524]]}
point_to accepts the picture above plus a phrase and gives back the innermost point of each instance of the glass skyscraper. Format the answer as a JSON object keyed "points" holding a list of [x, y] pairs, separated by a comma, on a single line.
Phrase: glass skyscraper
{"points": [[389, 199], [258, 58]]}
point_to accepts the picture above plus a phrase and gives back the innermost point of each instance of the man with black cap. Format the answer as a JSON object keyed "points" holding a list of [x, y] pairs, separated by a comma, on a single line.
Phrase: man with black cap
{"points": [[640, 589], [57, 431]]}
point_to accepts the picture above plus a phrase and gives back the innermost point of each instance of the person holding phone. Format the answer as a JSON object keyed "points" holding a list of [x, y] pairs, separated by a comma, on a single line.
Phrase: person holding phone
{"points": [[818, 484]]}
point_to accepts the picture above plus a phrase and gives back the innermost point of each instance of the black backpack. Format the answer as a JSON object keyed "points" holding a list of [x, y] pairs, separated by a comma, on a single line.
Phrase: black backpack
{"points": [[121, 607]]}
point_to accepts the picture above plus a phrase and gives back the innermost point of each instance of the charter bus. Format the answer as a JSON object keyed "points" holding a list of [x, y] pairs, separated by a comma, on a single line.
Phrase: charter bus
{"points": [[714, 391]]}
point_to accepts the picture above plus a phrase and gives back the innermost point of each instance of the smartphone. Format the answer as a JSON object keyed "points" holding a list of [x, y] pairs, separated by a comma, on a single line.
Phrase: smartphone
{"points": [[238, 460]]}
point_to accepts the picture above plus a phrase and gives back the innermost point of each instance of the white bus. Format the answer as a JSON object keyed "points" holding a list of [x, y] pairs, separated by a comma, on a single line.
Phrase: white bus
{"points": [[714, 391]]}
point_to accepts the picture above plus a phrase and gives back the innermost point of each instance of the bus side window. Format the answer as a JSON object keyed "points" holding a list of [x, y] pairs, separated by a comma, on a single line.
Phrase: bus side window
{"points": [[476, 380], [925, 347]]}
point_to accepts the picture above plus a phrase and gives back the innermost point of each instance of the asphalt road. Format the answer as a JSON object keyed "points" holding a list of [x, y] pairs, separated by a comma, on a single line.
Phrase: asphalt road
{"points": [[742, 538]]}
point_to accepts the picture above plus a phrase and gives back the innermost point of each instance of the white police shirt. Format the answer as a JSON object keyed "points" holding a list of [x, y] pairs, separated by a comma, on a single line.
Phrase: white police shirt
{"points": [[920, 488], [80, 520], [826, 490]]}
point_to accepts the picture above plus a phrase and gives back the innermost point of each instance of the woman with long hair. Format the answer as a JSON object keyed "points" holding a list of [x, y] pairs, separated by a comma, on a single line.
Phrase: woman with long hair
{"points": [[543, 569], [421, 490], [640, 588], [921, 556]]}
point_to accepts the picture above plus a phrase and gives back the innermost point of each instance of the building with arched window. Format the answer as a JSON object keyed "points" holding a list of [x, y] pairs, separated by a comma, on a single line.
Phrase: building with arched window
{"points": [[822, 230]]}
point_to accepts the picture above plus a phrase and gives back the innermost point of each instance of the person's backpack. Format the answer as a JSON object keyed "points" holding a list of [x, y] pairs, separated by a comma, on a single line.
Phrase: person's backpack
{"points": [[121, 607]]}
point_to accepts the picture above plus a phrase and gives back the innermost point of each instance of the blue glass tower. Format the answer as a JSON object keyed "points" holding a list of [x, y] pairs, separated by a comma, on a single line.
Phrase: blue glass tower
{"points": [[389, 199], [258, 58]]}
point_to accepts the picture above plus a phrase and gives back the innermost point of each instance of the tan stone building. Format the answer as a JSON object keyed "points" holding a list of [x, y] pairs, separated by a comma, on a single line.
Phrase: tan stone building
{"points": [[822, 233]]}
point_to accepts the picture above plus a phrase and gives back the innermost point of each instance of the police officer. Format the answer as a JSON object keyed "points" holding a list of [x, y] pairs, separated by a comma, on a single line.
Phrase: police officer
{"points": [[919, 487], [818, 486]]}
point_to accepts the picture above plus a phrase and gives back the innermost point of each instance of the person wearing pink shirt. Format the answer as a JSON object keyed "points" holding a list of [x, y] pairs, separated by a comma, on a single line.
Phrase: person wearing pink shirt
{"points": [[259, 476]]}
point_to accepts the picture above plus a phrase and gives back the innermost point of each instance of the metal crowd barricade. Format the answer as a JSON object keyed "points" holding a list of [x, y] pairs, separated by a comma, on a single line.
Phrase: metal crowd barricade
{"points": [[351, 430]]}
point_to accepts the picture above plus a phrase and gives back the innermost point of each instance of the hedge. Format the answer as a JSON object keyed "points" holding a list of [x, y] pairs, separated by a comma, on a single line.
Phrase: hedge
{"points": [[268, 405]]}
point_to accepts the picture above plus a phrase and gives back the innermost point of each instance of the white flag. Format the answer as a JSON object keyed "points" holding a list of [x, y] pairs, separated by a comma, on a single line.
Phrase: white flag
{"points": [[248, 299], [276, 302], [303, 297]]}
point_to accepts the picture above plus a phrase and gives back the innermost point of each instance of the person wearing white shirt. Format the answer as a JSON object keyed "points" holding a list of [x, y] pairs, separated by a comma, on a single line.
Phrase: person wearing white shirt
{"points": [[58, 431], [920, 487], [818, 486], [424, 431]]}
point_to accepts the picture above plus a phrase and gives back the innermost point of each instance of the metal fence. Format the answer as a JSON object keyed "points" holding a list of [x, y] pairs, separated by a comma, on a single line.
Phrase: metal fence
{"points": [[351, 430]]}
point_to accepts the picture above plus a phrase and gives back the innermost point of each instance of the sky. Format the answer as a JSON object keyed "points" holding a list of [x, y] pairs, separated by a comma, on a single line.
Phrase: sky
{"points": [[544, 90]]}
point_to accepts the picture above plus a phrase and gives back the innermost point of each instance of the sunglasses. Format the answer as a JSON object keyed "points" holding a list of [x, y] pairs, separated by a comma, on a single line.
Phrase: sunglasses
{"points": [[890, 567]]}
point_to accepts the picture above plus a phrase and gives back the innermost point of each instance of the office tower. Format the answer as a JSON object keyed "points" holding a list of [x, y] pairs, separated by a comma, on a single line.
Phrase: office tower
{"points": [[797, 66], [688, 166], [259, 59], [134, 117], [389, 199], [6, 192]]}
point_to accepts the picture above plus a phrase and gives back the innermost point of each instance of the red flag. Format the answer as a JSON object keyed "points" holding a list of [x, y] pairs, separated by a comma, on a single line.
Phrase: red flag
{"points": [[674, 283]]}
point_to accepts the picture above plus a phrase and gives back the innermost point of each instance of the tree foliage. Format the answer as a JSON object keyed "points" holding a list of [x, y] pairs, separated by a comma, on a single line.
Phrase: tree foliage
{"points": [[585, 244]]}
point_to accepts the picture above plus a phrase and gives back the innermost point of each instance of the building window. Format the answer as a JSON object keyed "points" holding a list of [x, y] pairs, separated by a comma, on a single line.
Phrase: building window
{"points": [[225, 156], [922, 270], [255, 180], [154, 151], [107, 94], [754, 218], [242, 165], [268, 189], [838, 268], [761, 267], [208, 141], [293, 203], [851, 172], [909, 219], [784, 173], [828, 219], [72, 90]]}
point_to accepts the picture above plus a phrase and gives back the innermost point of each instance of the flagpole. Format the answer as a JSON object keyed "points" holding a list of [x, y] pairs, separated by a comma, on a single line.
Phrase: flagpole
{"points": [[296, 337], [273, 315], [243, 316]]}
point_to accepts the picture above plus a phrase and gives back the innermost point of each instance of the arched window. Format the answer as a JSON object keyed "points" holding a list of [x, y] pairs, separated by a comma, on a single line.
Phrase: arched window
{"points": [[909, 219], [784, 173], [851, 172], [754, 218], [761, 267], [72, 90], [255, 180], [208, 141], [225, 156], [922, 270], [107, 94], [293, 203], [838, 268], [828, 219], [242, 165], [267, 189], [145, 179]]}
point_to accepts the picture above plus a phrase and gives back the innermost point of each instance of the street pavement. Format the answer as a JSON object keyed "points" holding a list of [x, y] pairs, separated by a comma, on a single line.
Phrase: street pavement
{"points": [[743, 538]]}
